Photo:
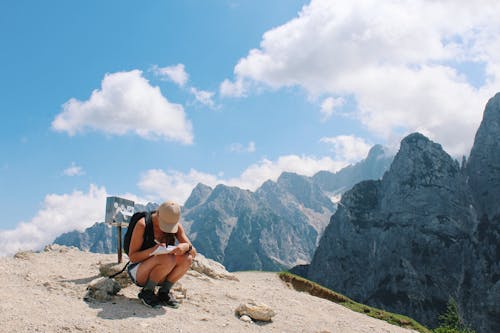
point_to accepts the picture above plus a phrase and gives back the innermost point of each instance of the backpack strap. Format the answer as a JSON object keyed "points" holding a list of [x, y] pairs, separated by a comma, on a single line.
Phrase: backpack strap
{"points": [[149, 234], [124, 267]]}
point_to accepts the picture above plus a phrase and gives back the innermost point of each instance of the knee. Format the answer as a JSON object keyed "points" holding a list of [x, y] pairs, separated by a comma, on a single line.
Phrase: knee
{"points": [[168, 260], [188, 260]]}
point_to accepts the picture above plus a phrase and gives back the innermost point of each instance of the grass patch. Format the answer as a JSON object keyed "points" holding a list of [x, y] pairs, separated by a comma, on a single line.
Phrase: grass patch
{"points": [[300, 284]]}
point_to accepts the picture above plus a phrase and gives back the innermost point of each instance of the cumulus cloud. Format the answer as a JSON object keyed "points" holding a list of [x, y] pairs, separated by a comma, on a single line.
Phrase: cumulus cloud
{"points": [[348, 147], [329, 105], [176, 74], [175, 185], [203, 97], [396, 59], [60, 214], [126, 103], [233, 89], [73, 170], [239, 148]]}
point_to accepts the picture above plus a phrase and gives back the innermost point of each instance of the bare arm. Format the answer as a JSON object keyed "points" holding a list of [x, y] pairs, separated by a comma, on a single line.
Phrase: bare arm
{"points": [[184, 242], [135, 254]]}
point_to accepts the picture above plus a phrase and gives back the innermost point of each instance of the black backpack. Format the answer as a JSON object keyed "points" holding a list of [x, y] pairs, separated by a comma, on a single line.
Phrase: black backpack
{"points": [[149, 237], [148, 232]]}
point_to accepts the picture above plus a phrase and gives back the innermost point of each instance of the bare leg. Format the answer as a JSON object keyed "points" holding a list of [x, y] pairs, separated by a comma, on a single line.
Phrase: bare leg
{"points": [[182, 265], [155, 268]]}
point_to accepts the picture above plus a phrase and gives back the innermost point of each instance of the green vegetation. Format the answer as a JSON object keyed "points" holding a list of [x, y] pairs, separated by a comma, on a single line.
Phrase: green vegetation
{"points": [[301, 284], [451, 322]]}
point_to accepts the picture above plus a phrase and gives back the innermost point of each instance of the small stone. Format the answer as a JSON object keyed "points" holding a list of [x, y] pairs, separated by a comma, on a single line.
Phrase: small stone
{"points": [[25, 255], [246, 319], [256, 311]]}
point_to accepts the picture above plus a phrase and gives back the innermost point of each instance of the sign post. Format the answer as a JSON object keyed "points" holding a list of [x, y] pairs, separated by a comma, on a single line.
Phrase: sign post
{"points": [[118, 214]]}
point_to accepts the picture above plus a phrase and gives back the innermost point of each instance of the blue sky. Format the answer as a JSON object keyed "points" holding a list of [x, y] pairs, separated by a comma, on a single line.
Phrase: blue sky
{"points": [[146, 99]]}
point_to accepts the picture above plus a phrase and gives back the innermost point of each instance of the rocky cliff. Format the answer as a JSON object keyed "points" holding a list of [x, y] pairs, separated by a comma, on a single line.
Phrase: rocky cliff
{"points": [[372, 167], [427, 231], [481, 286]]}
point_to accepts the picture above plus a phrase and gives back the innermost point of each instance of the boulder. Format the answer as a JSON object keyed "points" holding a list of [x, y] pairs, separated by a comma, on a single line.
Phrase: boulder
{"points": [[108, 269], [102, 289], [211, 268]]}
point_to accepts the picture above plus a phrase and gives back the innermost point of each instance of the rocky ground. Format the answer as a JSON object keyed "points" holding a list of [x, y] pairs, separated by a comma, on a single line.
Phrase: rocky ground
{"points": [[44, 292]]}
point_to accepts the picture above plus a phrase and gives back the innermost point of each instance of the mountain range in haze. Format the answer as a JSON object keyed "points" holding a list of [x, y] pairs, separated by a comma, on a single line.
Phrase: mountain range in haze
{"points": [[276, 227]]}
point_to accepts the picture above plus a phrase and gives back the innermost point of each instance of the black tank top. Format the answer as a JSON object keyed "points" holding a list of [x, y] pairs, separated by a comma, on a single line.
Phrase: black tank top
{"points": [[149, 234]]}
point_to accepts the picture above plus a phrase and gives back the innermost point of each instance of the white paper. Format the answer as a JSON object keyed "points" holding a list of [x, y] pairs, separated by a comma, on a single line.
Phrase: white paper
{"points": [[163, 250]]}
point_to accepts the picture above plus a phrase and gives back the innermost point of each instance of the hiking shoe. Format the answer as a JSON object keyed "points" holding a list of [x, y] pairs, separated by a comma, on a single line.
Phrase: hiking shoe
{"points": [[168, 299], [148, 298]]}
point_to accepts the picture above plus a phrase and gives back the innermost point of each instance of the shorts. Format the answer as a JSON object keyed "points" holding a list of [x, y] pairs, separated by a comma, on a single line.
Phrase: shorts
{"points": [[132, 271]]}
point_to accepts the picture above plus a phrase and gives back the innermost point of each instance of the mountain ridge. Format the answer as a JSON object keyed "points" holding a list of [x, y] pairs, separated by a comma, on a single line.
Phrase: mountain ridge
{"points": [[256, 230]]}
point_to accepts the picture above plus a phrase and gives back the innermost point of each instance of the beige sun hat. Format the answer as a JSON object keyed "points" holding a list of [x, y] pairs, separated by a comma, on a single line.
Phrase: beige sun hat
{"points": [[169, 214]]}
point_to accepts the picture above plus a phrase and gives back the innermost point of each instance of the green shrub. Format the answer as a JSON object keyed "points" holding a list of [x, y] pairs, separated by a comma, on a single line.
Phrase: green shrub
{"points": [[451, 322]]}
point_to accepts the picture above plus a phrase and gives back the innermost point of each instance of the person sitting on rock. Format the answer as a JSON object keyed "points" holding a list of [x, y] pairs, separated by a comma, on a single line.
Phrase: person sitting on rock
{"points": [[148, 270]]}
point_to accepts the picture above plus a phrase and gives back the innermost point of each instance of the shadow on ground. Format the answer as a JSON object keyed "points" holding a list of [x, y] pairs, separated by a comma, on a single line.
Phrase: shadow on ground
{"points": [[122, 307]]}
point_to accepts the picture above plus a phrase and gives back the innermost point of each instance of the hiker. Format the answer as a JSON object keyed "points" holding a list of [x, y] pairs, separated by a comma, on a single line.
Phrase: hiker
{"points": [[163, 270]]}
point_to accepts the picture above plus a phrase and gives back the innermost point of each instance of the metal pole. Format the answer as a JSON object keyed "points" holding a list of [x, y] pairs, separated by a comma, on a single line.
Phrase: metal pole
{"points": [[119, 243]]}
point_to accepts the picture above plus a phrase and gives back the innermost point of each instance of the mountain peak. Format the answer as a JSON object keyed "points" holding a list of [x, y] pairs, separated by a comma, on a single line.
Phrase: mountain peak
{"points": [[484, 161], [199, 194], [420, 161]]}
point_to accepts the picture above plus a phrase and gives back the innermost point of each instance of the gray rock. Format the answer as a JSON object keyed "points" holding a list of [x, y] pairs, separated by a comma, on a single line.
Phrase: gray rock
{"points": [[109, 269], [211, 268], [102, 289], [256, 311]]}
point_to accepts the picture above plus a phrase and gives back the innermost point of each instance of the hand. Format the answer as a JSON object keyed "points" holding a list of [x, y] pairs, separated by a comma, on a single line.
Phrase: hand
{"points": [[158, 244], [193, 252], [181, 249]]}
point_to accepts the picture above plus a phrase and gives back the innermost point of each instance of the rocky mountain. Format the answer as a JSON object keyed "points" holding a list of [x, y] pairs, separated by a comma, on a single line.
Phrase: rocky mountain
{"points": [[99, 238], [372, 167], [427, 231], [275, 227]]}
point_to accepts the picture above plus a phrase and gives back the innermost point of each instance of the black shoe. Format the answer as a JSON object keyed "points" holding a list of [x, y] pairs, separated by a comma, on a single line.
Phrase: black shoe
{"points": [[168, 299], [148, 298]]}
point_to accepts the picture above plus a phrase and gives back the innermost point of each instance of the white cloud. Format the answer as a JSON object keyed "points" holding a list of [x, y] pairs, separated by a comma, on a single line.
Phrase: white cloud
{"points": [[395, 58], [175, 185], [126, 103], [73, 170], [348, 147], [204, 97], [239, 148], [232, 89], [60, 214], [172, 185], [329, 105], [176, 74]]}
